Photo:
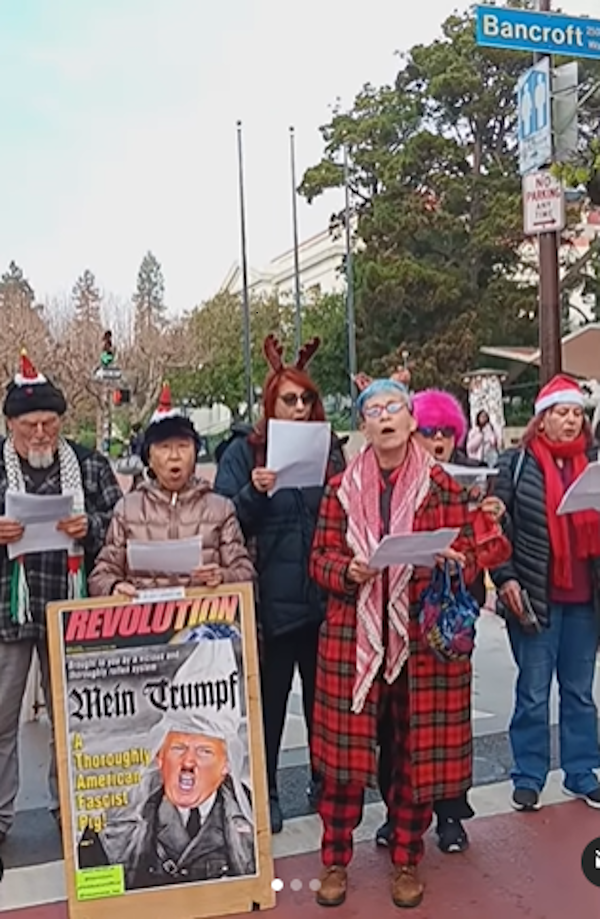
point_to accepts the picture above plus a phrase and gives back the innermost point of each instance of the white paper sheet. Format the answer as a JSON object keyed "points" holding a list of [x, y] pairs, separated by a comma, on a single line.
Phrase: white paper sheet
{"points": [[468, 472], [584, 493], [418, 549], [298, 452], [169, 556], [39, 514]]}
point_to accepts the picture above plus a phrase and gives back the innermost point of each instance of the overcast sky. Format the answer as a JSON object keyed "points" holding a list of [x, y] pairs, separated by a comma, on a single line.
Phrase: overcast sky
{"points": [[118, 126]]}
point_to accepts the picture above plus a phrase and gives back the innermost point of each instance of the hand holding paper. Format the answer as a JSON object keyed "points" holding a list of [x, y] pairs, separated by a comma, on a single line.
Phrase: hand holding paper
{"points": [[39, 516], [75, 527], [420, 549], [10, 531], [359, 572], [207, 576]]}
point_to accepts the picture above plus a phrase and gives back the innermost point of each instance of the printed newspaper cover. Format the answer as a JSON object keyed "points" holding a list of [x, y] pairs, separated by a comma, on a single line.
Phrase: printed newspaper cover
{"points": [[158, 745]]}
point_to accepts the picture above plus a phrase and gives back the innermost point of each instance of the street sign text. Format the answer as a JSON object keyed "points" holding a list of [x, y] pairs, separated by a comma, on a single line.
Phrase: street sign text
{"points": [[545, 33], [543, 203]]}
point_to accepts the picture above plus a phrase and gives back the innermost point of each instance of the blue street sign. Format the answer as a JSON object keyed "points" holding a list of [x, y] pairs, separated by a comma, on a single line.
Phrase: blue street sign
{"points": [[534, 101], [546, 33]]}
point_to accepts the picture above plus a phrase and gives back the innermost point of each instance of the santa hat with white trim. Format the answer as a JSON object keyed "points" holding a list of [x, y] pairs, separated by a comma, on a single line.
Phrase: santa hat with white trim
{"points": [[561, 390], [166, 422], [31, 391]]}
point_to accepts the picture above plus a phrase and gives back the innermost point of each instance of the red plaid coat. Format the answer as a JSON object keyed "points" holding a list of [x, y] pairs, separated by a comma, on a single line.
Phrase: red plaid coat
{"points": [[344, 743]]}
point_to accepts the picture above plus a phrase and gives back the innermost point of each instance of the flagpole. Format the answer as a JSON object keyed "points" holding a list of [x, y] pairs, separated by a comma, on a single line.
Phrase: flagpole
{"points": [[245, 297], [350, 318], [297, 299]]}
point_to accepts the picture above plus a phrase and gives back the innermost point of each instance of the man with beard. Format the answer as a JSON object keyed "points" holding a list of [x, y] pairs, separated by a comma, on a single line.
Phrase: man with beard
{"points": [[35, 458]]}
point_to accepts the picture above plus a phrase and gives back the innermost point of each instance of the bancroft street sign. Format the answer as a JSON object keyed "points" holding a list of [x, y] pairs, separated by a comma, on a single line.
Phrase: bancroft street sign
{"points": [[545, 33]]}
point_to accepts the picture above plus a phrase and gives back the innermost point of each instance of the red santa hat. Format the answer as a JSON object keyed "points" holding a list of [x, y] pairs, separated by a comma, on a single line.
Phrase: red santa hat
{"points": [[166, 422], [30, 391], [561, 390], [27, 374], [165, 409]]}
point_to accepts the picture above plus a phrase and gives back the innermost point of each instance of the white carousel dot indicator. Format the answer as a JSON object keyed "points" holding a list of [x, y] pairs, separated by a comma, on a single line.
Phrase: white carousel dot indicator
{"points": [[315, 884], [277, 884], [296, 884]]}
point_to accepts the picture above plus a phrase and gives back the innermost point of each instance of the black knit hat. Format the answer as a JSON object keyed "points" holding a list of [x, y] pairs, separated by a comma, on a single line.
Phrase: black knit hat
{"points": [[32, 392], [166, 422]]}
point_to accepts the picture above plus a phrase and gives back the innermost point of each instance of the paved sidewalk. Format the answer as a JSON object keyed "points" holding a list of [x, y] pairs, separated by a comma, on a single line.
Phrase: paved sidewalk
{"points": [[519, 866]]}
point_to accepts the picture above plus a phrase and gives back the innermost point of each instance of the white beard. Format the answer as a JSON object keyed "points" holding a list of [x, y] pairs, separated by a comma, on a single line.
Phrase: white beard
{"points": [[40, 459]]}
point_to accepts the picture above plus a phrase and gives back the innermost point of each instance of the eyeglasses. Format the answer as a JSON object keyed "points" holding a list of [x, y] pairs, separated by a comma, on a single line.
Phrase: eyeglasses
{"points": [[291, 399], [376, 411], [430, 433]]}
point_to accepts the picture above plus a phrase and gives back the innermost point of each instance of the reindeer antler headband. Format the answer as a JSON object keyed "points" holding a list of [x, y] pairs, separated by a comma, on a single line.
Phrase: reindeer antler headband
{"points": [[274, 353]]}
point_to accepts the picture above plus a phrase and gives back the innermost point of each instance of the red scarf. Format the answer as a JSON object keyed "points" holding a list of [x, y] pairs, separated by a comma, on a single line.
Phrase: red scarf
{"points": [[586, 524]]}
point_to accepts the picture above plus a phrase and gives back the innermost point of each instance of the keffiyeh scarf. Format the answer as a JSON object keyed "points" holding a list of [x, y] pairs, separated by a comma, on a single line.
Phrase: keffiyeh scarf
{"points": [[70, 484], [359, 495]]}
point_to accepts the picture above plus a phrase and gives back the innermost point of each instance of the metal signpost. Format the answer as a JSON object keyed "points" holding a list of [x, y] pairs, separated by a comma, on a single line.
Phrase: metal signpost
{"points": [[544, 95]]}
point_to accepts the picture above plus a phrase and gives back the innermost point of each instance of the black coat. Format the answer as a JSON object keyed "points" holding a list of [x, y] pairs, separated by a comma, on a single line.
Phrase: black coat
{"points": [[281, 529], [520, 485]]}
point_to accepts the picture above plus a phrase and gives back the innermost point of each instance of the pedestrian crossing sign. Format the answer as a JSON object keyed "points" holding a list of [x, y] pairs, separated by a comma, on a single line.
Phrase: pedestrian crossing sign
{"points": [[534, 118]]}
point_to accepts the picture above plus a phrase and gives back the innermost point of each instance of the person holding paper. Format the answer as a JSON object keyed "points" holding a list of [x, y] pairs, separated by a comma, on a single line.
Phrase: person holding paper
{"points": [[442, 429], [36, 462], [371, 656], [281, 527], [549, 592], [171, 505]]}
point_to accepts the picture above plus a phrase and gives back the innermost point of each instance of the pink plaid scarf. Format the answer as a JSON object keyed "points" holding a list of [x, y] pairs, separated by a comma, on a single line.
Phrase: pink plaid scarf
{"points": [[359, 495]]}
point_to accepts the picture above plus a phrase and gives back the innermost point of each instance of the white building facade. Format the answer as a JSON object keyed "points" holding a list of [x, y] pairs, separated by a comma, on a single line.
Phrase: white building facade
{"points": [[320, 260]]}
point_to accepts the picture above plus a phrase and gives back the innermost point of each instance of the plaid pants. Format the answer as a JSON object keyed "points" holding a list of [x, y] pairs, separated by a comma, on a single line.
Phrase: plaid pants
{"points": [[341, 805]]}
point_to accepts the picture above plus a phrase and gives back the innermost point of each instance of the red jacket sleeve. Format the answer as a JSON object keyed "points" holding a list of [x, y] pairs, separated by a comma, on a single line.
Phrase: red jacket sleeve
{"points": [[481, 539], [331, 555]]}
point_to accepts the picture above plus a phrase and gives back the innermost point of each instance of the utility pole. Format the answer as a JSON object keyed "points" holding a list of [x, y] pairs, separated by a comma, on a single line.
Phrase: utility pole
{"points": [[549, 312], [350, 317], [245, 295], [297, 294]]}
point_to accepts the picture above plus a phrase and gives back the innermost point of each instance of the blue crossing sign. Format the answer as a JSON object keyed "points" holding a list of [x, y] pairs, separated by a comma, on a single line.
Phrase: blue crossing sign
{"points": [[534, 105], [546, 33]]}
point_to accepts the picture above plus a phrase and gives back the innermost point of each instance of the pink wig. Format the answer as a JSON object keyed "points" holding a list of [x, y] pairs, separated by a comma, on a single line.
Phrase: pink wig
{"points": [[434, 408]]}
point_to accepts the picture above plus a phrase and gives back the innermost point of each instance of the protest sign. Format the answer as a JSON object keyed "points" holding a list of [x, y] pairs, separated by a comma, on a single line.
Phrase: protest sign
{"points": [[159, 742]]}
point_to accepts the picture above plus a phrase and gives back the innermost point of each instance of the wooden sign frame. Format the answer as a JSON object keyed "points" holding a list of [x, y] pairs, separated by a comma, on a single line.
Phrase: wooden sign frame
{"points": [[181, 900]]}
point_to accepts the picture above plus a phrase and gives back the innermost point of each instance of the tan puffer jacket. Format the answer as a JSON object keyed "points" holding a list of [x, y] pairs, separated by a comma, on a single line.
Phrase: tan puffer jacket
{"points": [[149, 513]]}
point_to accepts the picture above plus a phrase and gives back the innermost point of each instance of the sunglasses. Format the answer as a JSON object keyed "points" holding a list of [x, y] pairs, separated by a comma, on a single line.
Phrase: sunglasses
{"points": [[376, 411], [291, 399], [430, 433]]}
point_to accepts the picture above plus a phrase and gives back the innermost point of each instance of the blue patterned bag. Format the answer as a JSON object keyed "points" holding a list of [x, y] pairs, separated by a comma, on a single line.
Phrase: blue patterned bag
{"points": [[447, 619]]}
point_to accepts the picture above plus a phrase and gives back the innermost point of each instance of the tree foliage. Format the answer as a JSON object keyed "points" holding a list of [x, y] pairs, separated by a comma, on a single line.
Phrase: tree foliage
{"points": [[149, 296], [433, 175], [86, 299], [215, 338]]}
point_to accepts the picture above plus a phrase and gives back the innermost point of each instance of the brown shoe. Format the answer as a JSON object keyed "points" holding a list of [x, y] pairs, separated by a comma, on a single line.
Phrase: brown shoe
{"points": [[334, 882], [407, 889]]}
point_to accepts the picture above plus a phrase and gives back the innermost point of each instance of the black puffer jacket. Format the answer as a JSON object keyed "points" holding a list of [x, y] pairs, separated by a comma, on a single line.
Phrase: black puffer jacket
{"points": [[281, 528], [520, 485]]}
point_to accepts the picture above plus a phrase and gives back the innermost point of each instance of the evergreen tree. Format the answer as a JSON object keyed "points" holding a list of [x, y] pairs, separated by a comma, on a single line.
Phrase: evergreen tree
{"points": [[149, 296], [87, 299], [15, 289]]}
